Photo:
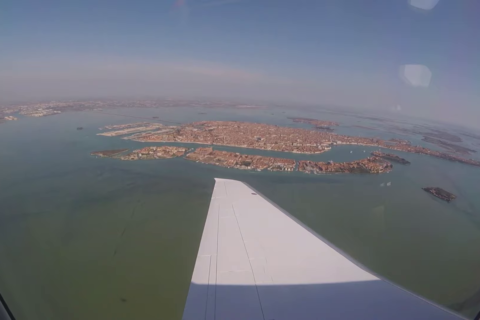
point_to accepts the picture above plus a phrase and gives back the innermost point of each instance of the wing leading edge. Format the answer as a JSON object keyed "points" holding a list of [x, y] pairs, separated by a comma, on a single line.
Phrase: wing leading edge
{"points": [[255, 261]]}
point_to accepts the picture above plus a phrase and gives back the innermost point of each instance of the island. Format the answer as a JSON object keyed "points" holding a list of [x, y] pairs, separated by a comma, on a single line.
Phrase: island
{"points": [[150, 153], [318, 124], [108, 153], [390, 156], [368, 165], [79, 128], [208, 155], [440, 193], [449, 146], [363, 127], [240, 161], [441, 134]]}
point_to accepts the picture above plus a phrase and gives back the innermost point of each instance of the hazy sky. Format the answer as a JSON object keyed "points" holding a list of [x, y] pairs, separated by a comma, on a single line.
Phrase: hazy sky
{"points": [[341, 52]]}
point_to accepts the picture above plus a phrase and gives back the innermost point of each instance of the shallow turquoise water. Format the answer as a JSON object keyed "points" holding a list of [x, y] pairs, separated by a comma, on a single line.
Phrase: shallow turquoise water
{"points": [[89, 238]]}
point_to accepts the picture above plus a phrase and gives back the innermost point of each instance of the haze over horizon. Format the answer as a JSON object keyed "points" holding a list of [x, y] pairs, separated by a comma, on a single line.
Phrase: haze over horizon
{"points": [[312, 52]]}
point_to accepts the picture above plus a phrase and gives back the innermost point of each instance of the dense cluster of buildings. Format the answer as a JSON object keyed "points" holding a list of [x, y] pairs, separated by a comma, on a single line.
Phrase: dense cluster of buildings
{"points": [[240, 161], [36, 109], [37, 113], [368, 165], [249, 162], [246, 135], [150, 153]]}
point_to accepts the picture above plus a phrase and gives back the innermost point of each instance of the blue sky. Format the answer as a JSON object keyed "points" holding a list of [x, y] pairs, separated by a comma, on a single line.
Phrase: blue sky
{"points": [[341, 52]]}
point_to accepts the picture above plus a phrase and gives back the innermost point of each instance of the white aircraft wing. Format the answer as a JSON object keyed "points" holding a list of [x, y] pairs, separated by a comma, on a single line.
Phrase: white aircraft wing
{"points": [[256, 262]]}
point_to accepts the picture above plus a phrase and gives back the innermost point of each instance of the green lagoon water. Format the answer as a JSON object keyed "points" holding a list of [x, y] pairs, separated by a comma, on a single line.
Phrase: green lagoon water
{"points": [[89, 238]]}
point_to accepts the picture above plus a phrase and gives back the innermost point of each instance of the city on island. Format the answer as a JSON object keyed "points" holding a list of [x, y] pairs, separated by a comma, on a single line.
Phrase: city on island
{"points": [[267, 137], [249, 162]]}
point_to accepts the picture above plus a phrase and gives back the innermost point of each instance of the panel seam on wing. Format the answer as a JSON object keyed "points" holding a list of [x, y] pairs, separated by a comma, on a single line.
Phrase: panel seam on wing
{"points": [[249, 261], [216, 266]]}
